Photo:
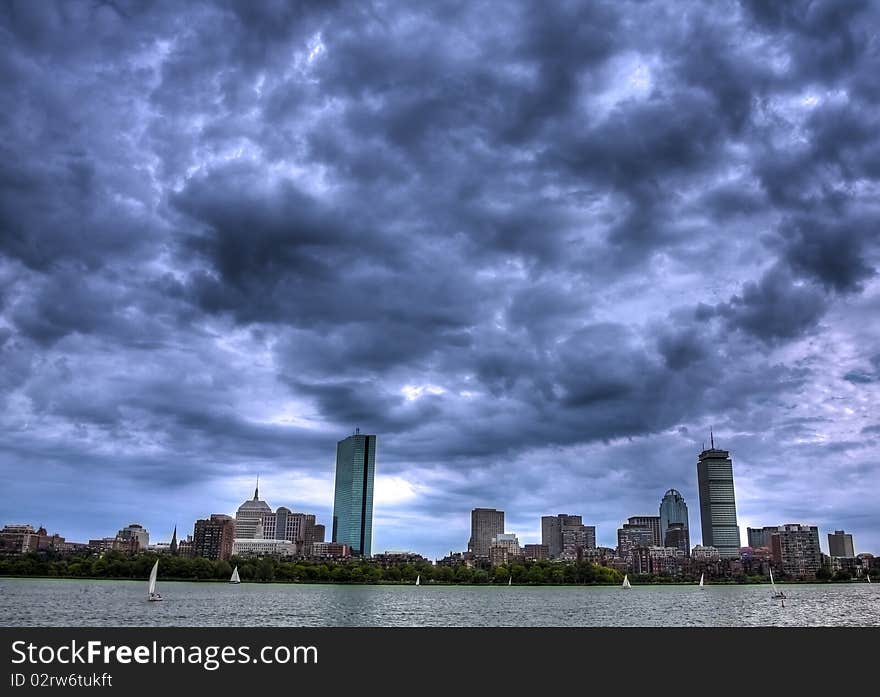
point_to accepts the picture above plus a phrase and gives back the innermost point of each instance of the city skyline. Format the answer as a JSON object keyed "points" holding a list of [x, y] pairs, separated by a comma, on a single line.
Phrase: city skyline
{"points": [[539, 250], [491, 521]]}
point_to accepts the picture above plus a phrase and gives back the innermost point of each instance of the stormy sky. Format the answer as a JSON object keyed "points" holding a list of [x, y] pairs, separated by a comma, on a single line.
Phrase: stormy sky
{"points": [[538, 248]]}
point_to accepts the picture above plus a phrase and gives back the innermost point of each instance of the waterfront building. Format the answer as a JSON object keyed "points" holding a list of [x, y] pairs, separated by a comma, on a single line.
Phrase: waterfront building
{"points": [[249, 517], [213, 537], [840, 544], [566, 536], [718, 501], [652, 523], [486, 523], [21, 539], [504, 548], [536, 552], [677, 536], [631, 535], [674, 515], [669, 561], [299, 528], [796, 550], [330, 550], [705, 552], [353, 494], [394, 557], [263, 548], [138, 534], [760, 537]]}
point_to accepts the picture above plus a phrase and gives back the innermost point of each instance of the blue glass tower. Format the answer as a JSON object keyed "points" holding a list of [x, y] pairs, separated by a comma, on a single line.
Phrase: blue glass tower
{"points": [[353, 499]]}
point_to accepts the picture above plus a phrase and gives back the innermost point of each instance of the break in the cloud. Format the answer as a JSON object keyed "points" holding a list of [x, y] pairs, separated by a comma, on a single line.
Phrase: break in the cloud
{"points": [[538, 249]]}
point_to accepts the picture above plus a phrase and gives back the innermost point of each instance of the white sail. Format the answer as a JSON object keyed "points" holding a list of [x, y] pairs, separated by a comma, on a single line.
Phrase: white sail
{"points": [[153, 575], [418, 580], [771, 581], [235, 578], [701, 580], [510, 580], [626, 583], [868, 576]]}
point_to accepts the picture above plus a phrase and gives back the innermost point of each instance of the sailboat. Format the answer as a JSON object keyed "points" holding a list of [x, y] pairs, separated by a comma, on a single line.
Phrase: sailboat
{"points": [[510, 580], [152, 594], [235, 578], [626, 583], [868, 576], [776, 593], [419, 580], [701, 579]]}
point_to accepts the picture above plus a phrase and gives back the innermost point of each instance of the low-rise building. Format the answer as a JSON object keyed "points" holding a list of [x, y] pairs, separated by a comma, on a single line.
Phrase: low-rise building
{"points": [[264, 548]]}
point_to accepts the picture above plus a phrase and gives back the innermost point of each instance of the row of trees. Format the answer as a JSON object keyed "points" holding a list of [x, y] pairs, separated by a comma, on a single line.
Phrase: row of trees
{"points": [[119, 566]]}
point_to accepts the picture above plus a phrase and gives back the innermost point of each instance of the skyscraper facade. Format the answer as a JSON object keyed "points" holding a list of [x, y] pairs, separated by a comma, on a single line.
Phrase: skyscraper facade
{"points": [[213, 537], [249, 517], [796, 550], [717, 501], [674, 511], [652, 523], [566, 534], [840, 544], [486, 523], [353, 500]]}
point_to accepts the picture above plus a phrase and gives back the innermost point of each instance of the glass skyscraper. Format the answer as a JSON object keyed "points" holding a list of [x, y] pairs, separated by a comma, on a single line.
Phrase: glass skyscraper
{"points": [[717, 501], [353, 500], [673, 510]]}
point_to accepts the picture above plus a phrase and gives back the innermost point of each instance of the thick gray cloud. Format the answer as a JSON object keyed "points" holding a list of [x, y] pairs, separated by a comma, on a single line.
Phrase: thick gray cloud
{"points": [[539, 250]]}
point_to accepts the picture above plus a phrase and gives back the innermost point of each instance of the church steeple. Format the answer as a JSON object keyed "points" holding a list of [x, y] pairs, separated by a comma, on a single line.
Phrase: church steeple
{"points": [[173, 546]]}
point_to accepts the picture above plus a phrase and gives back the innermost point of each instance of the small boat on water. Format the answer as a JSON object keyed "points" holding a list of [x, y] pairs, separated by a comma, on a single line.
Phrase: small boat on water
{"points": [[235, 578], [510, 580], [626, 583], [701, 579], [419, 580], [152, 595], [777, 594]]}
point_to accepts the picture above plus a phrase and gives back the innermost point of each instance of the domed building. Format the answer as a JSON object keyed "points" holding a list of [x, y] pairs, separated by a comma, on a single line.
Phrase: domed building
{"points": [[674, 530], [249, 517]]}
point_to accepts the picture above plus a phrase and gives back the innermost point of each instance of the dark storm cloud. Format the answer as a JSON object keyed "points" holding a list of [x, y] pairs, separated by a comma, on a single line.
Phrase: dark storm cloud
{"points": [[537, 249]]}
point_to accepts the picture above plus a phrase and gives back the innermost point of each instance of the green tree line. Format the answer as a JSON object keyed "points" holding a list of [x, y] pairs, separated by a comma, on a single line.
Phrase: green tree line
{"points": [[115, 565]]}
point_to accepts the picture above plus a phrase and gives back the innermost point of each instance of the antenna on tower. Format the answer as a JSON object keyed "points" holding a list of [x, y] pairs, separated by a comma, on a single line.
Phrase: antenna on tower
{"points": [[357, 431], [711, 438], [257, 490]]}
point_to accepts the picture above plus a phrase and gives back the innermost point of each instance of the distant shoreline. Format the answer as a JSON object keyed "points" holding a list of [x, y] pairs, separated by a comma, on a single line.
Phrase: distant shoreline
{"points": [[431, 583]]}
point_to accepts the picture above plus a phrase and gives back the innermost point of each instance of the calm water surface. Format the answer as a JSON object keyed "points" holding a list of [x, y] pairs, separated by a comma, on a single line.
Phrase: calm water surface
{"points": [[50, 602]]}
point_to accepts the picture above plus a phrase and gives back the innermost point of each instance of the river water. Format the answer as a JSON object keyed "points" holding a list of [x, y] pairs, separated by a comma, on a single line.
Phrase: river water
{"points": [[62, 602]]}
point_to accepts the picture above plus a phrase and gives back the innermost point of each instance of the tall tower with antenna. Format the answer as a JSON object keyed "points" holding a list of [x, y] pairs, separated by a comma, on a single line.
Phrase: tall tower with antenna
{"points": [[718, 500]]}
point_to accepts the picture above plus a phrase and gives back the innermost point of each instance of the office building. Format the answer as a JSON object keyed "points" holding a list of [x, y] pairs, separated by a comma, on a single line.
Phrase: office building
{"points": [[353, 499], [718, 502], [213, 537], [796, 550], [21, 539], [138, 534], [566, 535], [840, 544], [674, 512], [504, 548], [249, 517], [677, 536], [631, 535], [486, 523], [536, 552], [760, 537], [652, 523], [263, 548]]}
